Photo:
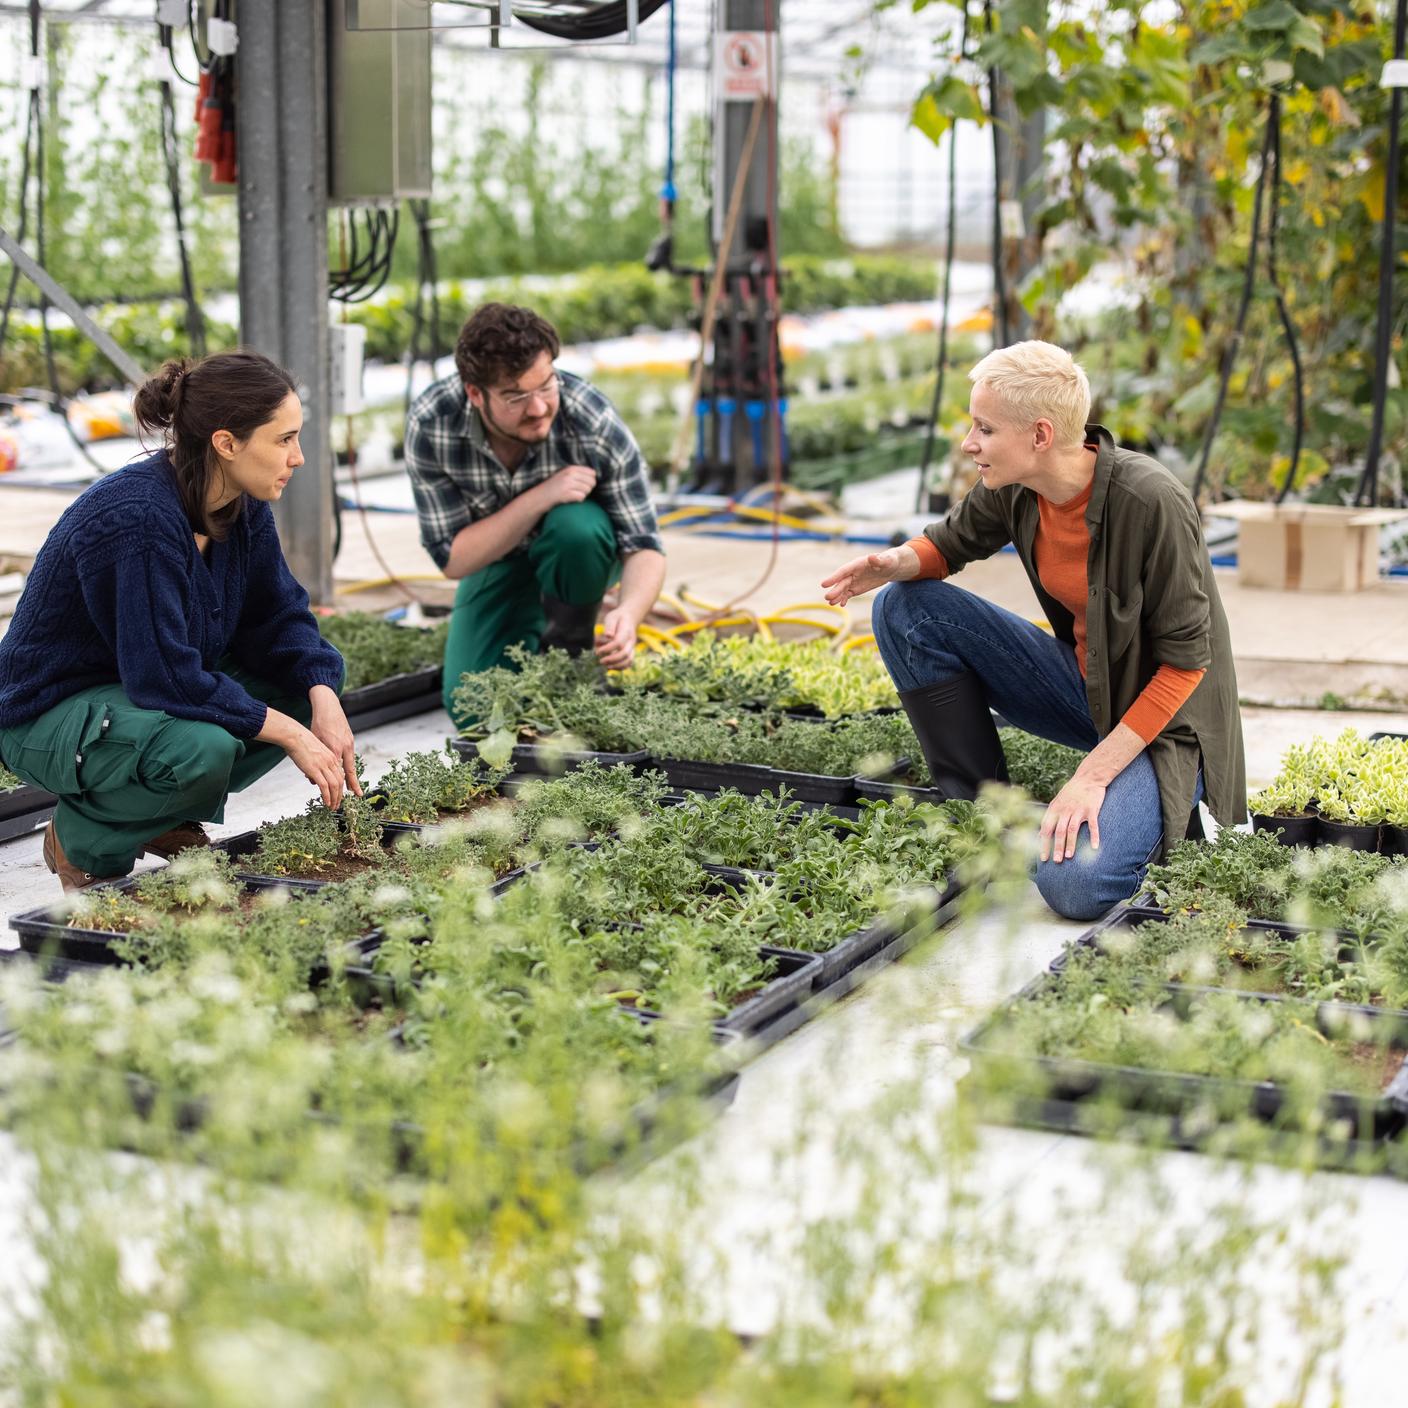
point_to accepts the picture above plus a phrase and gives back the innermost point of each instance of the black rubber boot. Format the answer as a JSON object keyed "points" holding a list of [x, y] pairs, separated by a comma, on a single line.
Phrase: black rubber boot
{"points": [[956, 734], [567, 627]]}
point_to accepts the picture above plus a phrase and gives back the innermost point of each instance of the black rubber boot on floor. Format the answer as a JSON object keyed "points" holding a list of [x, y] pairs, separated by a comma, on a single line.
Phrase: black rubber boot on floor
{"points": [[956, 734], [567, 627]]}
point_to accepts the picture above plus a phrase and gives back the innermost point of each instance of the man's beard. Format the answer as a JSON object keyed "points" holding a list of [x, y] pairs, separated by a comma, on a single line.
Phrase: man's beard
{"points": [[488, 418]]}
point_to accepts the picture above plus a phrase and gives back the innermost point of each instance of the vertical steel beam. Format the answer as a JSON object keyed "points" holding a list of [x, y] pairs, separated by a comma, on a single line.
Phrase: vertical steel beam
{"points": [[730, 130], [744, 29], [281, 110]]}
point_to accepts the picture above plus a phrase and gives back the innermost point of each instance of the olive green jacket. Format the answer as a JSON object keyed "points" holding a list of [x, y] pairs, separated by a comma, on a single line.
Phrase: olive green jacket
{"points": [[1152, 602]]}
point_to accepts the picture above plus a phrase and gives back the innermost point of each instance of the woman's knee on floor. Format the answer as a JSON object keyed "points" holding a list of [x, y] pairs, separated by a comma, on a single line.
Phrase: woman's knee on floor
{"points": [[1086, 885]]}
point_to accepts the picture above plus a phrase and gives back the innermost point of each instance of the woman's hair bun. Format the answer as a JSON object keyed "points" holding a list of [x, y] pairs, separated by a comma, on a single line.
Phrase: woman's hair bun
{"points": [[157, 399]]}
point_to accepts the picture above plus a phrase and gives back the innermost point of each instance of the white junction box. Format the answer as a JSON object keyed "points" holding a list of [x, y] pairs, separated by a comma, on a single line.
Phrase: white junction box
{"points": [[347, 343]]}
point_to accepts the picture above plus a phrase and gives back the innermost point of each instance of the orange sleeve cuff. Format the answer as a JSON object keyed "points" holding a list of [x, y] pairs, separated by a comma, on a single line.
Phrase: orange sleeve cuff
{"points": [[931, 560], [1160, 700]]}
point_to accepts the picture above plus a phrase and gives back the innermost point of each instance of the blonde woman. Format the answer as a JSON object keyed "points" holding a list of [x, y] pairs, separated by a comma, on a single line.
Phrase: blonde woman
{"points": [[1138, 669]]}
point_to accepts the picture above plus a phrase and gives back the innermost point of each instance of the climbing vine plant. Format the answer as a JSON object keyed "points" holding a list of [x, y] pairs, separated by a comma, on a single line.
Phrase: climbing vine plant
{"points": [[1153, 144]]}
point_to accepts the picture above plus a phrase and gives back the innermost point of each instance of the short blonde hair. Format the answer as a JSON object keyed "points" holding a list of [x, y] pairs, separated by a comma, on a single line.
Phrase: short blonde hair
{"points": [[1039, 381]]}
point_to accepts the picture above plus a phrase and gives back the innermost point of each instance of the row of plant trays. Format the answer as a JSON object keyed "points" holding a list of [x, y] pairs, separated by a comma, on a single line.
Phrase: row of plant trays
{"points": [[751, 779], [803, 982], [1314, 830], [1171, 1109], [23, 809]]}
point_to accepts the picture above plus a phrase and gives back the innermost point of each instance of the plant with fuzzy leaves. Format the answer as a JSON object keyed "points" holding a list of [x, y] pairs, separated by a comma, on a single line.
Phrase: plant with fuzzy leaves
{"points": [[312, 843], [424, 787], [375, 649]]}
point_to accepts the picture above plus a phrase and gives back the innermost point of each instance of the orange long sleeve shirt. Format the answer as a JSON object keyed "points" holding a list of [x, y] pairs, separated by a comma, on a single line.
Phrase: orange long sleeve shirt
{"points": [[1061, 550]]}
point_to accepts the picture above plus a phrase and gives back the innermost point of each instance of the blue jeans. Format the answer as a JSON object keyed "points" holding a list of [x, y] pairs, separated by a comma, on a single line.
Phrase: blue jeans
{"points": [[929, 631]]}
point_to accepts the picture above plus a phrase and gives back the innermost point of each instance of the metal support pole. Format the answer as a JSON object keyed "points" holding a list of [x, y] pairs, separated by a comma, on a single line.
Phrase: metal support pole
{"points": [[281, 109], [746, 39], [60, 297]]}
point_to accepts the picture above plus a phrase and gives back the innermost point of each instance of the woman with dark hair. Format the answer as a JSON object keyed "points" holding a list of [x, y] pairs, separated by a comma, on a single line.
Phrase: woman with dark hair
{"points": [[163, 655]]}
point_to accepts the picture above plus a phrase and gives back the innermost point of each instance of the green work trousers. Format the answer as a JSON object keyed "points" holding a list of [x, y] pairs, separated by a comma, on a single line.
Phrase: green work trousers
{"points": [[573, 558], [124, 775]]}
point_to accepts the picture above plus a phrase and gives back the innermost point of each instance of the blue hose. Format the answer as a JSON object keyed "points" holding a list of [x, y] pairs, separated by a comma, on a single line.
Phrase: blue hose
{"points": [[667, 191]]}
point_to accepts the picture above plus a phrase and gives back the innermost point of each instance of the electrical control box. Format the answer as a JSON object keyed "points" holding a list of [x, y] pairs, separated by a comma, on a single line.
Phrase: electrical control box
{"points": [[378, 101]]}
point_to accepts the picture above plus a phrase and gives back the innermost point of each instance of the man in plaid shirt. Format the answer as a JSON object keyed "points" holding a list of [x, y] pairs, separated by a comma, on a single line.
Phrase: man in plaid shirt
{"points": [[533, 495]]}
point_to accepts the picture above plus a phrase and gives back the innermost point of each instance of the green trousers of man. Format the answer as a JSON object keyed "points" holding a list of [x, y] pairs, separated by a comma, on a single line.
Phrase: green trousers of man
{"points": [[124, 775], [573, 558]]}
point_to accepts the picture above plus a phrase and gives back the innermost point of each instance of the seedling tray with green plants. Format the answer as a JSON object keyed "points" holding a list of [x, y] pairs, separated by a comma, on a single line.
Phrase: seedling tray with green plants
{"points": [[393, 672], [1216, 1070], [1220, 948], [22, 807], [147, 918], [1332, 886]]}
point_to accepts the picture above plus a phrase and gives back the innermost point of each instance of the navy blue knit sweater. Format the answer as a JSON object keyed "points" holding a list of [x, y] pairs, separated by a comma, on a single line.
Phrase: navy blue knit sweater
{"points": [[121, 594]]}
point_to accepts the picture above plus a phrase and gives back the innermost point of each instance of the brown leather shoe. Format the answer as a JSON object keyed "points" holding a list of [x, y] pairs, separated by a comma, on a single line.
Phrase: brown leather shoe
{"points": [[179, 838], [70, 876]]}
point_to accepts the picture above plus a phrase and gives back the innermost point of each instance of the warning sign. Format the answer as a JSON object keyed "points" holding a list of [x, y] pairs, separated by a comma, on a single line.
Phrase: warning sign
{"points": [[741, 64]]}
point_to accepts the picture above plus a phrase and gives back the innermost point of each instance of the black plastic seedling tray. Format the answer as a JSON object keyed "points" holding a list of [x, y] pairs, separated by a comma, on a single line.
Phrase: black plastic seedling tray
{"points": [[753, 779], [43, 932], [397, 697], [1126, 918], [543, 760], [1083, 1097], [870, 789], [22, 809], [795, 975], [245, 843], [850, 962]]}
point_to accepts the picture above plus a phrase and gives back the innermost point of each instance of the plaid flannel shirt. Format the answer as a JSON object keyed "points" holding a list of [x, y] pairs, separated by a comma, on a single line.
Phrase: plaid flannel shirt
{"points": [[457, 479]]}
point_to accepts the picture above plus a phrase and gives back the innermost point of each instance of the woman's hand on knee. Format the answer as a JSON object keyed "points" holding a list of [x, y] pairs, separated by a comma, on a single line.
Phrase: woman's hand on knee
{"points": [[331, 729], [864, 574], [1077, 804]]}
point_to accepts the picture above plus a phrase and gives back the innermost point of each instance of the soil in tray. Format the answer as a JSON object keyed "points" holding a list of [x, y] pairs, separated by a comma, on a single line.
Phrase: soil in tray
{"points": [[1375, 1065], [342, 868]]}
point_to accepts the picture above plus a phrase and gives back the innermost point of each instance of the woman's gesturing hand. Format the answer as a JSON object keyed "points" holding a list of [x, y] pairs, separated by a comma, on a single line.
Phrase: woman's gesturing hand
{"points": [[864, 574], [331, 729], [1077, 804]]}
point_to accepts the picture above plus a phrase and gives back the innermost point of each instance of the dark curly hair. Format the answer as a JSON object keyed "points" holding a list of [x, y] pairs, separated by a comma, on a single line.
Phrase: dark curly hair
{"points": [[500, 342], [186, 402]]}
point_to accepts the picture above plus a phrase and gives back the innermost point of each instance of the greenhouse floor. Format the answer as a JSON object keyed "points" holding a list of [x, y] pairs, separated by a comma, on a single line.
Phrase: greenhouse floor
{"points": [[775, 1160]]}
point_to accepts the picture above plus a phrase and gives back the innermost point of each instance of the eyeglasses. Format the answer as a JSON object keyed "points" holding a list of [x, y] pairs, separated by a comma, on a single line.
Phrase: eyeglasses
{"points": [[515, 400]]}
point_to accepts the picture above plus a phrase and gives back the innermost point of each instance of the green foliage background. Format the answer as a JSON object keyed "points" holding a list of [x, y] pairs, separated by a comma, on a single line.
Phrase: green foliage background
{"points": [[1157, 124]]}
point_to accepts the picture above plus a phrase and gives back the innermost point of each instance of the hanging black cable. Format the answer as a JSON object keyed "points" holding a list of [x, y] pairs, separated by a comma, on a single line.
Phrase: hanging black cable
{"points": [[1367, 491], [1287, 326], [602, 22], [195, 322], [167, 36], [1229, 356], [368, 269], [1001, 332], [941, 360]]}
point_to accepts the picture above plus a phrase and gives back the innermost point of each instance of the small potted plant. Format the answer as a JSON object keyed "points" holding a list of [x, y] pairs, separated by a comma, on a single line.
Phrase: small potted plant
{"points": [[1285, 808], [1348, 818]]}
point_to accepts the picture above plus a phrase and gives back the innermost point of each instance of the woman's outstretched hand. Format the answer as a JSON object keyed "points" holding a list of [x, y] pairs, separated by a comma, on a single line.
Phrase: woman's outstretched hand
{"points": [[864, 574], [331, 729]]}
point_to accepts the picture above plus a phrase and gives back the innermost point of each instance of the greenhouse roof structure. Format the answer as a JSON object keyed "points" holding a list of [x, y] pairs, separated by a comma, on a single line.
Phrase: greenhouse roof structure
{"points": [[821, 38]]}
